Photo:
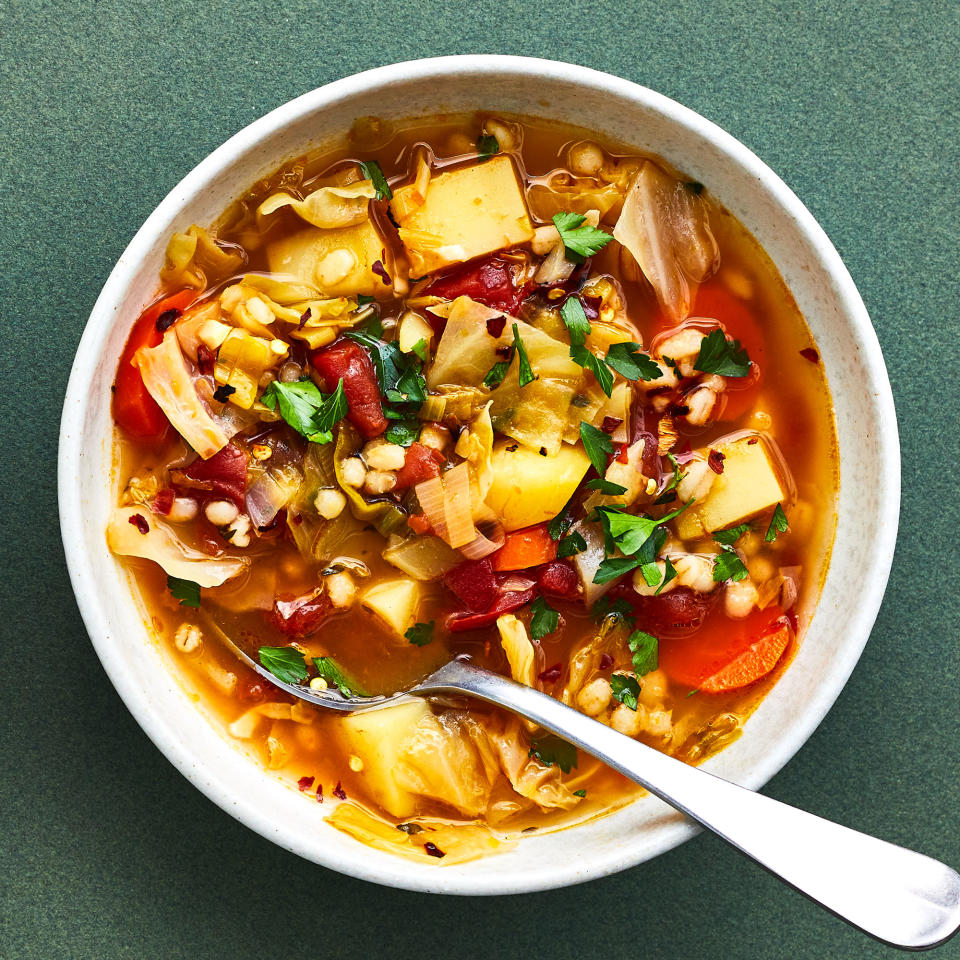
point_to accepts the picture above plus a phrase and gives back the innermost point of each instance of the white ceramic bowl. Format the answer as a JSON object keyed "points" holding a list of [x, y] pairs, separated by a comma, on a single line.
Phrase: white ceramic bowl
{"points": [[866, 427]]}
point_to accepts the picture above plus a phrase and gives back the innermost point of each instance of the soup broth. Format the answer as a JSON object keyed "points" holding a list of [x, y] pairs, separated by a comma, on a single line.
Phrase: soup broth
{"points": [[287, 519]]}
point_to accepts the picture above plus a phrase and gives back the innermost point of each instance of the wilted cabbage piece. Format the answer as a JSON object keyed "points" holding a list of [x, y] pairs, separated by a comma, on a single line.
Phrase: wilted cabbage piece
{"points": [[519, 649], [666, 226], [195, 259], [580, 196], [161, 545], [328, 207]]}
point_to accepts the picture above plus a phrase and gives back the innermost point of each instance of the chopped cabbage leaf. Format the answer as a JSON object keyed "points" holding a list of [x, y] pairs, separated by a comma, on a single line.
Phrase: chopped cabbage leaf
{"points": [[328, 207], [666, 227], [195, 259], [161, 545], [521, 654]]}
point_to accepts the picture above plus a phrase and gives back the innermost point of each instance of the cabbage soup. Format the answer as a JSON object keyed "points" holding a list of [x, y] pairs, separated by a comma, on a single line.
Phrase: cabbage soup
{"points": [[473, 386]]}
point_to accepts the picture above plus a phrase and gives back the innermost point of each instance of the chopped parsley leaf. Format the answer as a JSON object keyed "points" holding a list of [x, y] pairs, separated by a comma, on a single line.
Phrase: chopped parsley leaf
{"points": [[626, 689], [545, 619], [580, 240], [778, 523], [597, 445], [403, 432], [285, 663], [619, 609], [579, 793], [560, 524], [667, 494], [728, 566], [645, 648], [630, 362], [606, 487], [573, 315], [421, 349], [363, 299], [398, 374], [186, 591], [497, 372], [420, 634], [669, 573], [571, 545], [723, 356], [525, 373], [614, 567], [729, 537], [306, 409], [328, 669], [596, 365], [487, 146], [372, 171], [552, 750]]}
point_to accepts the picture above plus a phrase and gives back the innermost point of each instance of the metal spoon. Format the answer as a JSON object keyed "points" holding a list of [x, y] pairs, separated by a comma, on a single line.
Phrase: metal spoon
{"points": [[903, 898]]}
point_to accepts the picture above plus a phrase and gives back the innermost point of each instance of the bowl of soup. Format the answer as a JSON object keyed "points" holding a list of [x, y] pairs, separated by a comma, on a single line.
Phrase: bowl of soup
{"points": [[480, 357]]}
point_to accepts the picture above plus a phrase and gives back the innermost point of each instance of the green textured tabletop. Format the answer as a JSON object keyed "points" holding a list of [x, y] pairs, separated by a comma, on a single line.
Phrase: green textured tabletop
{"points": [[106, 851]]}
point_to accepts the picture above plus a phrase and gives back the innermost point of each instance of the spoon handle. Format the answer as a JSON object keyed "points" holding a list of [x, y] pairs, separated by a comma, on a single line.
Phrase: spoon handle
{"points": [[903, 898]]}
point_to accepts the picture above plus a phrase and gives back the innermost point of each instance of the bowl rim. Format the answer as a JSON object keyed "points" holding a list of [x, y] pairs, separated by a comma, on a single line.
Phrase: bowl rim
{"points": [[102, 318]]}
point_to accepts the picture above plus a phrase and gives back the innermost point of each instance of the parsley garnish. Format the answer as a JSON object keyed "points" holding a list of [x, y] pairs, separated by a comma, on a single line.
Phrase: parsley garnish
{"points": [[401, 382], [597, 445], [403, 432], [552, 750], [571, 545], [560, 524], [723, 356], [629, 361], [306, 409], [371, 171], [573, 315], [729, 537], [635, 537], [420, 348], [526, 373], [497, 372], [420, 634], [669, 573], [590, 361], [728, 566], [579, 793], [645, 648], [619, 610], [778, 522], [614, 567], [487, 146], [580, 240], [666, 495], [186, 591], [328, 669], [363, 299], [626, 689], [606, 487], [545, 619], [285, 663]]}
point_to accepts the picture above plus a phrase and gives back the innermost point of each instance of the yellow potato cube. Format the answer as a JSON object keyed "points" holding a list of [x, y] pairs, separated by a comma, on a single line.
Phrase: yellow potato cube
{"points": [[394, 602], [339, 262], [750, 483], [467, 212], [529, 488]]}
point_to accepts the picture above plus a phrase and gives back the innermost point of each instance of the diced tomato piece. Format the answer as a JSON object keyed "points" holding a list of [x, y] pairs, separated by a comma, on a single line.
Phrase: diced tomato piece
{"points": [[420, 463], [728, 654], [473, 583], [557, 579], [487, 281], [674, 614], [419, 523], [223, 475], [505, 603], [163, 501], [301, 616], [525, 548], [348, 361], [133, 407]]}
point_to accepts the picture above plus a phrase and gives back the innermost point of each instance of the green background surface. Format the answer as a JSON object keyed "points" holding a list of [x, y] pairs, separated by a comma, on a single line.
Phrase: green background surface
{"points": [[106, 852]]}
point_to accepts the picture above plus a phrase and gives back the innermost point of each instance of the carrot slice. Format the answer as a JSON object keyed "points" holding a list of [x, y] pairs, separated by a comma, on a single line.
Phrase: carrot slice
{"points": [[525, 548], [755, 662]]}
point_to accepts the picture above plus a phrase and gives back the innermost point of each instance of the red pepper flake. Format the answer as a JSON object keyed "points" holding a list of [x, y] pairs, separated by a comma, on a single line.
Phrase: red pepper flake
{"points": [[319, 793], [339, 792], [752, 441], [606, 662], [551, 674], [304, 317], [433, 850], [808, 353], [205, 359], [163, 501], [167, 319], [140, 522], [381, 272], [305, 783], [610, 424], [715, 461], [495, 326]]}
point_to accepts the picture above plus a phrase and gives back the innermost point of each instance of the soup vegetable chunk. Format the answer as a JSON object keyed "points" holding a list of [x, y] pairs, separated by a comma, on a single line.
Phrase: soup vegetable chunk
{"points": [[476, 387]]}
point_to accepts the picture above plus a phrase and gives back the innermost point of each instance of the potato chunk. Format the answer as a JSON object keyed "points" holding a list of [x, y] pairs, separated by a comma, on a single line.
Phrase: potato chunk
{"points": [[467, 213], [408, 753], [394, 602], [750, 483], [529, 488], [339, 262]]}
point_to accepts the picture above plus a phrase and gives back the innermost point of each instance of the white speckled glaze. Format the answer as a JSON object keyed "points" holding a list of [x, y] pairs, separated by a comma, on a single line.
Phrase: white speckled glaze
{"points": [[866, 427]]}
